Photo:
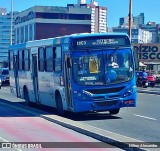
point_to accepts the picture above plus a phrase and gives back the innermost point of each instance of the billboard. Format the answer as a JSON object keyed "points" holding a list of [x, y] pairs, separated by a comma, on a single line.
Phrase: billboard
{"points": [[148, 52]]}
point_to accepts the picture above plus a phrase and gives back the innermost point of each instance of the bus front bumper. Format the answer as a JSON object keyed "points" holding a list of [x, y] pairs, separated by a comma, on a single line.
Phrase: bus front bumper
{"points": [[89, 106]]}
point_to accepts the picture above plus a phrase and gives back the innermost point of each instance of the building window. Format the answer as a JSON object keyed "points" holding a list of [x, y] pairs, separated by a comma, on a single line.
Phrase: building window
{"points": [[22, 34], [15, 36], [26, 33], [30, 32], [18, 35], [49, 59], [57, 59], [41, 59]]}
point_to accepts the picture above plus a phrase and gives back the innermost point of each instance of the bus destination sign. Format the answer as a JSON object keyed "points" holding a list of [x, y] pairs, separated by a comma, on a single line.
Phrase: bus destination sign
{"points": [[99, 42]]}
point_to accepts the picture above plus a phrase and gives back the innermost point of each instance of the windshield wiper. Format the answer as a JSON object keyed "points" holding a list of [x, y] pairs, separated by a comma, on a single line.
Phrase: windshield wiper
{"points": [[113, 53]]}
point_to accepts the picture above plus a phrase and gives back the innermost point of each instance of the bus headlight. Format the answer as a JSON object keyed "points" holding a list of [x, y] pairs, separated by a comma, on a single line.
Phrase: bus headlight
{"points": [[128, 92]]}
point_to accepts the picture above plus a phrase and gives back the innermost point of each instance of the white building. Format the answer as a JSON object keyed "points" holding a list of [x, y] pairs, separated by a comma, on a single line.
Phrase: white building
{"points": [[98, 18], [138, 35], [153, 28]]}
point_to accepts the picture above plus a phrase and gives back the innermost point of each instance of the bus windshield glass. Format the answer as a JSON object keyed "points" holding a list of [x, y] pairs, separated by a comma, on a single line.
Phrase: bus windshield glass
{"points": [[103, 67]]}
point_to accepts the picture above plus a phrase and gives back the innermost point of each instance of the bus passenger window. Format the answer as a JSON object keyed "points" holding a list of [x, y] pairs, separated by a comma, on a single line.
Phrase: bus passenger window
{"points": [[57, 59], [93, 65], [11, 60], [26, 60], [21, 60], [41, 59], [49, 59]]}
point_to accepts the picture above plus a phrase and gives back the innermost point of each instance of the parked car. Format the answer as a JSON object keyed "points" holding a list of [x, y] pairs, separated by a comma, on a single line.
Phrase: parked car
{"points": [[4, 76], [151, 79]]}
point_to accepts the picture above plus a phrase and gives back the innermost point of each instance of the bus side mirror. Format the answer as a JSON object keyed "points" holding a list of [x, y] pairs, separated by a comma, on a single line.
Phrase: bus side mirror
{"points": [[136, 59], [69, 63]]}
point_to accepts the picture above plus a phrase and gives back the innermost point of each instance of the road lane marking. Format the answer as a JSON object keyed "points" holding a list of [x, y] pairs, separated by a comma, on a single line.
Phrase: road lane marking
{"points": [[145, 117]]}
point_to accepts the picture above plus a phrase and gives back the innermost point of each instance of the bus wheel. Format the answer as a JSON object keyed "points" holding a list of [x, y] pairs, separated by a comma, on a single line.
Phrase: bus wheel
{"points": [[26, 96], [115, 111], [59, 104]]}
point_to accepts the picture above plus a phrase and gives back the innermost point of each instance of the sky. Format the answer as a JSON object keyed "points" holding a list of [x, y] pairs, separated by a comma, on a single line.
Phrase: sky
{"points": [[116, 8]]}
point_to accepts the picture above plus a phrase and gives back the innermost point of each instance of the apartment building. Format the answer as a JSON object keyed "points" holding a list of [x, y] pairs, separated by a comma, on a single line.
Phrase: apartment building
{"points": [[5, 34]]}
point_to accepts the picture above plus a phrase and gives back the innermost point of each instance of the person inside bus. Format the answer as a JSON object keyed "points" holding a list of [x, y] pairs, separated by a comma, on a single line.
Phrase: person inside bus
{"points": [[110, 74], [112, 63]]}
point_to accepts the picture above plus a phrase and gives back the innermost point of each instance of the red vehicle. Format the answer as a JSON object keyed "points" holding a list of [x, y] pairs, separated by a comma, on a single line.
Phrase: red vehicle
{"points": [[151, 79]]}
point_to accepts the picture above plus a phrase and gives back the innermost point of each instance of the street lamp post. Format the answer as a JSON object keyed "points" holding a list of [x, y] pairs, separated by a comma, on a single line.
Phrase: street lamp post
{"points": [[11, 22], [130, 19]]}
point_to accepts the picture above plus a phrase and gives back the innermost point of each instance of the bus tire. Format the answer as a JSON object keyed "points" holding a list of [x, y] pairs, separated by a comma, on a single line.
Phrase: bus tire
{"points": [[114, 111], [26, 96], [59, 104]]}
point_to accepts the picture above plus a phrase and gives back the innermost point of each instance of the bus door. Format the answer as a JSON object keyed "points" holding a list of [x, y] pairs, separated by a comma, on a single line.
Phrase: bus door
{"points": [[34, 76], [15, 66], [68, 81]]}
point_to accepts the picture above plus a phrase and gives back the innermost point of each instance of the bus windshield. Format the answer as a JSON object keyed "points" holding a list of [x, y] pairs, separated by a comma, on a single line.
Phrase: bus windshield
{"points": [[102, 67]]}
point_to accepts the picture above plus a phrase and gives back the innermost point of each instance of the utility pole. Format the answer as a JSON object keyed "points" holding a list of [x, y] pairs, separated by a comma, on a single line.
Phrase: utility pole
{"points": [[11, 22], [130, 19]]}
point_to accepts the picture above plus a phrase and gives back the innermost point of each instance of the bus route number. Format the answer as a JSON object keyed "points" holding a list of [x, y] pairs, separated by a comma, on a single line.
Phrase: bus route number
{"points": [[81, 43]]}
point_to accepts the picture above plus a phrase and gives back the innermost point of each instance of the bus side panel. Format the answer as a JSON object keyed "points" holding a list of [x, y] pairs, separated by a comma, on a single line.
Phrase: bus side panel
{"points": [[12, 82], [46, 89], [25, 80]]}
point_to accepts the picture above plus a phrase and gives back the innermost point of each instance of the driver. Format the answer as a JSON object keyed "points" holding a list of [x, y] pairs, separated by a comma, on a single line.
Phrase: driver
{"points": [[112, 63]]}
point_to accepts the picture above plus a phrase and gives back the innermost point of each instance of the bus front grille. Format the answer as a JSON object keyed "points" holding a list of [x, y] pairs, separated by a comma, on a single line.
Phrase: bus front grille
{"points": [[107, 103], [105, 91]]}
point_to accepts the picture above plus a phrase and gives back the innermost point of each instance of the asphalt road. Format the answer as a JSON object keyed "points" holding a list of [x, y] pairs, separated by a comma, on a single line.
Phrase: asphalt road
{"points": [[18, 125], [141, 123]]}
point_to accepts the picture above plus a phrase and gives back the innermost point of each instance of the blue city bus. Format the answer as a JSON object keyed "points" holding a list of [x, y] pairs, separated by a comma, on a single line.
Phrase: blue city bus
{"points": [[77, 73]]}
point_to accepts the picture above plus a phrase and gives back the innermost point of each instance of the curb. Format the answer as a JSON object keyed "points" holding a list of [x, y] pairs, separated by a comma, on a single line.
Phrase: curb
{"points": [[105, 136]]}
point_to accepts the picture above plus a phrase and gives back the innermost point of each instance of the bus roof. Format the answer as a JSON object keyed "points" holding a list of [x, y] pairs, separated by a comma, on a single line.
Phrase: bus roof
{"points": [[62, 39]]}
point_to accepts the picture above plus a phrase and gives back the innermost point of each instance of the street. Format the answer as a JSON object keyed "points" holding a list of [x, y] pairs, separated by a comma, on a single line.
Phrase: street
{"points": [[140, 123], [17, 125]]}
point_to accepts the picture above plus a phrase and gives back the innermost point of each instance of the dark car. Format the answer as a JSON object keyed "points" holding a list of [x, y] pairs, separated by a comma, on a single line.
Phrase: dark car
{"points": [[4, 76], [151, 79], [141, 79]]}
